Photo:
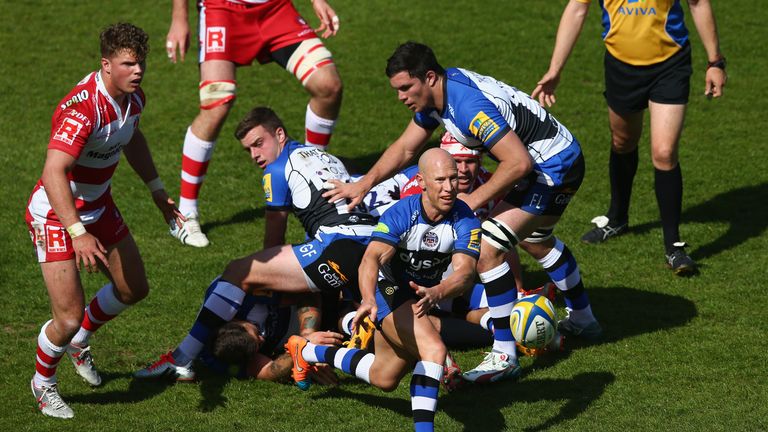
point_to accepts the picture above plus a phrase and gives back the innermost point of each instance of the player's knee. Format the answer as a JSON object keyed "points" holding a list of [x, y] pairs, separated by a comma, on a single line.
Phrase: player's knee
{"points": [[664, 159], [67, 326], [386, 384], [326, 87], [308, 58], [499, 235], [217, 96]]}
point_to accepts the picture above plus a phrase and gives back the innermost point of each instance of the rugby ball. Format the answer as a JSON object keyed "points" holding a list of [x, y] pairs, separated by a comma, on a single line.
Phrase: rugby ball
{"points": [[533, 321]]}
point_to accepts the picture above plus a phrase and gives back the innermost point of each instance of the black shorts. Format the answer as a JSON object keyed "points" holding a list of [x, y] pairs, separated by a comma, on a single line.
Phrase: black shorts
{"points": [[628, 88], [541, 199]]}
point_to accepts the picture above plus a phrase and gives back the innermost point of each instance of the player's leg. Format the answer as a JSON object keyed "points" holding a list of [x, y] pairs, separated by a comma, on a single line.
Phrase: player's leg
{"points": [[217, 96], [501, 233], [66, 295], [666, 127]]}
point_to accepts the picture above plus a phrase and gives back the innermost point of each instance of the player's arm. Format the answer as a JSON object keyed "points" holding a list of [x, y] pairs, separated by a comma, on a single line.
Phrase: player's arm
{"points": [[704, 20], [376, 254], [462, 279], [275, 226], [178, 33], [568, 31], [87, 247], [329, 21], [394, 158], [139, 157], [514, 164]]}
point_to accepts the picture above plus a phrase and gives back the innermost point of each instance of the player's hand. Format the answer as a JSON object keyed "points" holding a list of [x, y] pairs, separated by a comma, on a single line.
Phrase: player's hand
{"points": [[338, 190], [367, 308], [325, 338], [715, 81], [329, 21], [88, 249], [178, 37], [545, 89], [168, 207], [321, 373], [466, 198], [429, 298]]}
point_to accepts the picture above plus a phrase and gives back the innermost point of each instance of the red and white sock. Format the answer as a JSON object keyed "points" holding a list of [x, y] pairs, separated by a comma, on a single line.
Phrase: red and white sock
{"points": [[318, 129], [47, 359], [102, 308], [197, 154]]}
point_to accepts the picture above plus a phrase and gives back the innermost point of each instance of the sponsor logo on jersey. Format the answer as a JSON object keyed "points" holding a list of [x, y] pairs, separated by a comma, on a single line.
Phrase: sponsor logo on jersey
{"points": [[382, 228], [77, 98], [430, 240], [215, 39], [113, 150], [68, 130], [266, 183], [483, 127], [416, 264], [54, 239], [635, 9], [332, 275], [474, 240]]}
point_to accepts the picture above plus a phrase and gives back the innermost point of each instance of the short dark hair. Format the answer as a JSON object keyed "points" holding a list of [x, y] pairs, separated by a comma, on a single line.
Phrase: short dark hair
{"points": [[232, 344], [259, 116], [415, 58], [124, 37]]}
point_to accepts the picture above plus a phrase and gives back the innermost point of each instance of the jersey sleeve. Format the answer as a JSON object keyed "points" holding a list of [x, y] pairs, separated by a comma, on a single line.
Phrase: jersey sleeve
{"points": [[411, 187], [481, 119], [70, 129], [467, 229], [277, 194], [425, 120], [393, 223]]}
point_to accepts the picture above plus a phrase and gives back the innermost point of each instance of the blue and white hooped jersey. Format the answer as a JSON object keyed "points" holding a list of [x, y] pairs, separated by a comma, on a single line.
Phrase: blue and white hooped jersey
{"points": [[295, 182], [383, 195], [479, 110], [424, 248]]}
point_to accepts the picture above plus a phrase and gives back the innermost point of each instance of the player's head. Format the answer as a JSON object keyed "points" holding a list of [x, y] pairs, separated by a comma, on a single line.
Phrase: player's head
{"points": [[262, 134], [439, 180], [414, 72], [467, 161], [236, 342], [124, 49]]}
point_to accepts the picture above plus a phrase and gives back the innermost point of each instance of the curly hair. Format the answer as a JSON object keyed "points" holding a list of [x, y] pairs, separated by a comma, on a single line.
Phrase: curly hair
{"points": [[124, 36]]}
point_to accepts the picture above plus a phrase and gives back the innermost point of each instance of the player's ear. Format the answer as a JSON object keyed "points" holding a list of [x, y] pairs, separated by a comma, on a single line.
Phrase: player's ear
{"points": [[281, 135], [420, 179], [431, 78], [106, 65]]}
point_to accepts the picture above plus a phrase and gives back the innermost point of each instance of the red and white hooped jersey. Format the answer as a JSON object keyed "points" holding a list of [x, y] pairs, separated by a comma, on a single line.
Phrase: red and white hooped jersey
{"points": [[90, 126], [412, 188]]}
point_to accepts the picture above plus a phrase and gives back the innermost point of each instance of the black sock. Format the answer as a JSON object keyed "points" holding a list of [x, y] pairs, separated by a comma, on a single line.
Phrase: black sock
{"points": [[621, 170], [669, 194]]}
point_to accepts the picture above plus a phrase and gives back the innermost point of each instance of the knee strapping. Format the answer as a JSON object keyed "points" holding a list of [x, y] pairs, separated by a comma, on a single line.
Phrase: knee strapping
{"points": [[541, 234], [216, 93], [499, 235], [309, 56]]}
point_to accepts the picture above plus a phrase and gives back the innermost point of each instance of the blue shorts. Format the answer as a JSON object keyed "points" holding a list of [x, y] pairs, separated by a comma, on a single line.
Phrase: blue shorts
{"points": [[331, 262]]}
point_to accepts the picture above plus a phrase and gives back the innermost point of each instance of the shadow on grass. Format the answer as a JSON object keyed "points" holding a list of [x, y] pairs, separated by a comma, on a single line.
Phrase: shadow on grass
{"points": [[743, 210], [577, 393], [241, 217], [137, 391]]}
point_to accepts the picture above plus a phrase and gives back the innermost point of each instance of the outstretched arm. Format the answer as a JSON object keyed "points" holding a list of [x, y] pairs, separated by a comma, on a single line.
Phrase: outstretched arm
{"points": [[376, 254], [704, 19], [462, 279], [568, 32]]}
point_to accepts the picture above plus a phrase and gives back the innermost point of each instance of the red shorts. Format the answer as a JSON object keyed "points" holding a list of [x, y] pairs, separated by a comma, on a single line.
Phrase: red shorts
{"points": [[241, 33], [52, 241]]}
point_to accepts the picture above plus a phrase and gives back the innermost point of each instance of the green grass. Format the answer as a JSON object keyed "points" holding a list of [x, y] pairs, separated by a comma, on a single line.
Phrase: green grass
{"points": [[679, 354]]}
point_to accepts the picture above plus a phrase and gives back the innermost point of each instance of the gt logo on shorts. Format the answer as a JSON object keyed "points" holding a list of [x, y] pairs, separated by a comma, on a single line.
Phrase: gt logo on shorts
{"points": [[483, 127], [332, 275], [215, 39]]}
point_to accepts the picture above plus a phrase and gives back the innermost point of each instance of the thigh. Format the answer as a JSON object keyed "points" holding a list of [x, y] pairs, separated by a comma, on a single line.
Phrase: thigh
{"points": [[217, 70], [626, 129], [666, 127], [416, 336], [275, 269], [331, 262], [62, 280]]}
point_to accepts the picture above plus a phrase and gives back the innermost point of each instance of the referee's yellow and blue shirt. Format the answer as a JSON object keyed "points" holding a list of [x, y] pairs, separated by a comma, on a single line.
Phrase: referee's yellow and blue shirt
{"points": [[643, 32]]}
